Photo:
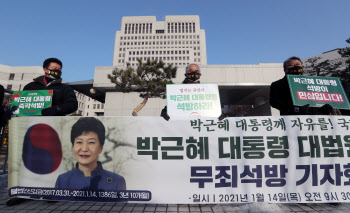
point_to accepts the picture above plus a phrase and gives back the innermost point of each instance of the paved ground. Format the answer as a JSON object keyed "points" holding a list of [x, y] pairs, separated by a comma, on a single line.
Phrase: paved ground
{"points": [[44, 206]]}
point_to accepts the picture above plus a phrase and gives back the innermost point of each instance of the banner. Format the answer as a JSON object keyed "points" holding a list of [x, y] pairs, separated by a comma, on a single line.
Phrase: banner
{"points": [[184, 100], [288, 159], [317, 91], [30, 103]]}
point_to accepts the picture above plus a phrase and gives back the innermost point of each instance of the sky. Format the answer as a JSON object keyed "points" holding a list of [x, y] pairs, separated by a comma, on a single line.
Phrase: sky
{"points": [[81, 33]]}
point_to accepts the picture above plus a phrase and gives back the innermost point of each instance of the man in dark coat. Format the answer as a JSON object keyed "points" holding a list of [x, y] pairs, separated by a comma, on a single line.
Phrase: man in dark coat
{"points": [[64, 100], [280, 96]]}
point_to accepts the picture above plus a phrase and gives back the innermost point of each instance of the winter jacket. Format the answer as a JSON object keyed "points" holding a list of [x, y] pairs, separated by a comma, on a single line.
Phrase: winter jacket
{"points": [[63, 99]]}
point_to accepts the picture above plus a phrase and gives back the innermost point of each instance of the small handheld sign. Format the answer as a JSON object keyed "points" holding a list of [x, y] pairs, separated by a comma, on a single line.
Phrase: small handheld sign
{"points": [[193, 99], [30, 103], [317, 91]]}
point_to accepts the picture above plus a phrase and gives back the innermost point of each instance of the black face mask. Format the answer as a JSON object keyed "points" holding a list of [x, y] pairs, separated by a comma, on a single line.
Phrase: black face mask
{"points": [[296, 70], [55, 74], [193, 76]]}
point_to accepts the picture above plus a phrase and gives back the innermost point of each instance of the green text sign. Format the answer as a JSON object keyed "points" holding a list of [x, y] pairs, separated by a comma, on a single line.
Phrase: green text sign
{"points": [[317, 91], [30, 103]]}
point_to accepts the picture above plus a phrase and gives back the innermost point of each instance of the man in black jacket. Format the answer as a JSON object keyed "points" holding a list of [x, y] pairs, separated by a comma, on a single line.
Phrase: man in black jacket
{"points": [[280, 96], [64, 100]]}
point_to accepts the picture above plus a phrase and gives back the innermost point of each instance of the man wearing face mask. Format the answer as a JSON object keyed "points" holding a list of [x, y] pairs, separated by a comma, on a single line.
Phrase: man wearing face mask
{"points": [[192, 75], [281, 99], [64, 100]]}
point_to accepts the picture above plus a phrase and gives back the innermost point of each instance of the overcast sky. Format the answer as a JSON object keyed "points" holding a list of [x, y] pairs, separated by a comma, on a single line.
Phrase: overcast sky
{"points": [[81, 32]]}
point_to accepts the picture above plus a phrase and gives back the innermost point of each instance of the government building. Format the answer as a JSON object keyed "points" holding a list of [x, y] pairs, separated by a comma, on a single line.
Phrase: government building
{"points": [[179, 40]]}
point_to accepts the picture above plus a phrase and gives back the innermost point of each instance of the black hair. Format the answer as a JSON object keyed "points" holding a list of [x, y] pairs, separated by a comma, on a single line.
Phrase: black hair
{"points": [[88, 124], [47, 62], [285, 63]]}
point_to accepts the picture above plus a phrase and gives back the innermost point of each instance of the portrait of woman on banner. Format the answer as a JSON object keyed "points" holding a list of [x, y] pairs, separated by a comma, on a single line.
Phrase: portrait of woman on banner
{"points": [[87, 137]]}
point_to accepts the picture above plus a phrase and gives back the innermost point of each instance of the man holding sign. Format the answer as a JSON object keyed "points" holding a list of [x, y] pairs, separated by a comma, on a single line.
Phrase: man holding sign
{"points": [[64, 100], [280, 95], [193, 74]]}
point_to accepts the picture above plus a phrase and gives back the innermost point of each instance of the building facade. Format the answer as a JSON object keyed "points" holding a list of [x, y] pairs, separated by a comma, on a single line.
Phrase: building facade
{"points": [[177, 40], [88, 106], [15, 78]]}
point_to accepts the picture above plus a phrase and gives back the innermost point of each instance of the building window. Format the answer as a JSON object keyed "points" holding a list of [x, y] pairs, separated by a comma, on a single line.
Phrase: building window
{"points": [[9, 86], [94, 107], [12, 76], [159, 31]]}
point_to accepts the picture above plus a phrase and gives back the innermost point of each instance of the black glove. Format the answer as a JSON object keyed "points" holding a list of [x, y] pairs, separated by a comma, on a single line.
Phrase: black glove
{"points": [[6, 115], [222, 116], [326, 109], [51, 111], [301, 110], [165, 115], [3, 119]]}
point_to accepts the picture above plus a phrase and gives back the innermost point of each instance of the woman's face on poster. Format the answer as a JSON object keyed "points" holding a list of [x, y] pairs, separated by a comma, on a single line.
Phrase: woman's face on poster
{"points": [[86, 148]]}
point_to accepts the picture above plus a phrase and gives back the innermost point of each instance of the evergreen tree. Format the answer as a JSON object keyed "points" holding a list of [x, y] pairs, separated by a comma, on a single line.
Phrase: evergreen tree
{"points": [[149, 79], [330, 68], [345, 53]]}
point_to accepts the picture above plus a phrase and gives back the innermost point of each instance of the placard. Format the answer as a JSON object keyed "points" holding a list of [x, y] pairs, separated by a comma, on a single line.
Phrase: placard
{"points": [[291, 159], [30, 103], [185, 100], [317, 91]]}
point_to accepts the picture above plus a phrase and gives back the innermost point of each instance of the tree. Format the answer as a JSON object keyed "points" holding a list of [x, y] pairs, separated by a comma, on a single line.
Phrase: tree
{"points": [[330, 67], [149, 79], [345, 53]]}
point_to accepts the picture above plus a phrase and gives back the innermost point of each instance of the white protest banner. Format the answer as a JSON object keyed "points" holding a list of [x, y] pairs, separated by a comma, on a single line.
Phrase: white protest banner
{"points": [[184, 100], [288, 159]]}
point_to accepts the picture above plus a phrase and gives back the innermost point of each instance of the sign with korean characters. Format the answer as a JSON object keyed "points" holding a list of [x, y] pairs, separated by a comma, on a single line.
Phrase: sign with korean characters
{"points": [[317, 91], [31, 103], [184, 100], [287, 159]]}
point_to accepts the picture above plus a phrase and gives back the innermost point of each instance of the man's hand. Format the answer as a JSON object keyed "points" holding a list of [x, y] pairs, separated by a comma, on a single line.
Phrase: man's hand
{"points": [[165, 115], [222, 116], [51, 111], [326, 109]]}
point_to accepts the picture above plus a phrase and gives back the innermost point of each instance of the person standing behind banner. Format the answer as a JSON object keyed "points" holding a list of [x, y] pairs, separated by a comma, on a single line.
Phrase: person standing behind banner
{"points": [[192, 74], [64, 100], [87, 137], [280, 96]]}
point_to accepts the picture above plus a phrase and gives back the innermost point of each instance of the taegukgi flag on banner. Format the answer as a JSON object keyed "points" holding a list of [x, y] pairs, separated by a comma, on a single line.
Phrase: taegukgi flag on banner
{"points": [[290, 159]]}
